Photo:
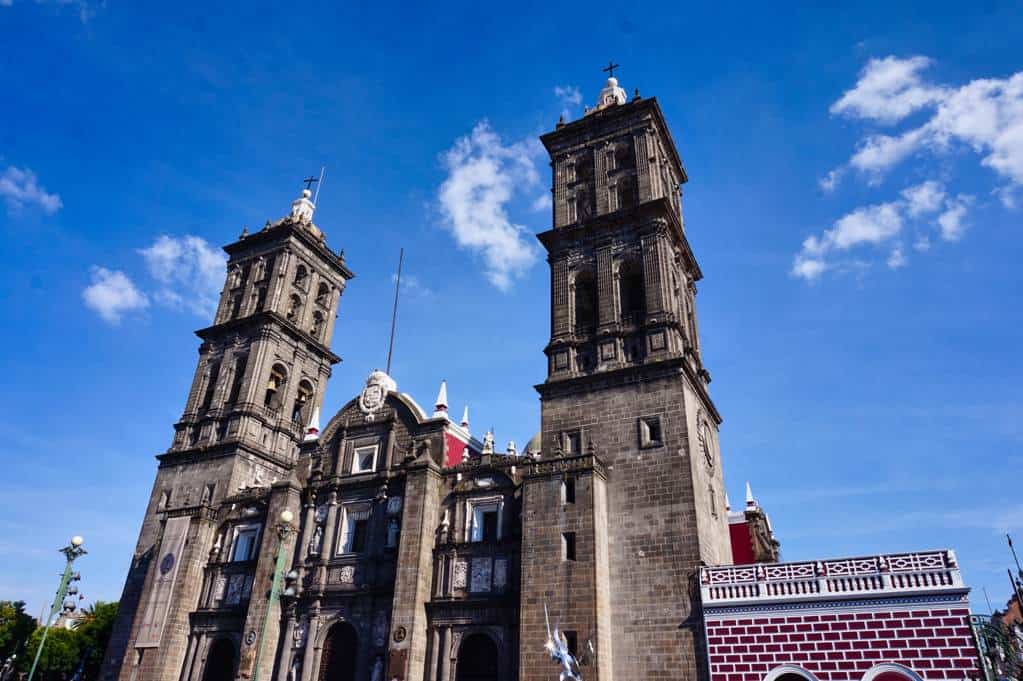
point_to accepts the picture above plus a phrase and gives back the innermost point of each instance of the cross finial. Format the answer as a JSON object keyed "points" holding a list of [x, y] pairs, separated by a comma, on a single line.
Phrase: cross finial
{"points": [[310, 180], [610, 69]]}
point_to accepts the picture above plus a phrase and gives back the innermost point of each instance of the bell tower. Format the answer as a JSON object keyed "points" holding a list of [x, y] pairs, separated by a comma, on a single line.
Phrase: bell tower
{"points": [[627, 423], [258, 385]]}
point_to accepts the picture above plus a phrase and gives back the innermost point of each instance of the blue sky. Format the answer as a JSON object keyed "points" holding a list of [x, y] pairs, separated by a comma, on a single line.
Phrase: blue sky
{"points": [[854, 202]]}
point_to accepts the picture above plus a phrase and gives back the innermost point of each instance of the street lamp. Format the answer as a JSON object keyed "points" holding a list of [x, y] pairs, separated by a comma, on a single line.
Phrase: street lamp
{"points": [[283, 529], [71, 552]]}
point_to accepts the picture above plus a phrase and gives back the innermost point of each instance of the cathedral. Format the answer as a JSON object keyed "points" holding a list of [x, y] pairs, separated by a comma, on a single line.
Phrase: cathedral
{"points": [[394, 544]]}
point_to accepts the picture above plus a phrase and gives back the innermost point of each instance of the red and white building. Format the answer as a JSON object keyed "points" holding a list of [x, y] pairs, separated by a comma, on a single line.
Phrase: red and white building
{"points": [[899, 617]]}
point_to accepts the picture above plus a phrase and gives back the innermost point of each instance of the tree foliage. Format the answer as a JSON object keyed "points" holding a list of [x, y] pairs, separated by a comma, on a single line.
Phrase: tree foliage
{"points": [[15, 628], [68, 649]]}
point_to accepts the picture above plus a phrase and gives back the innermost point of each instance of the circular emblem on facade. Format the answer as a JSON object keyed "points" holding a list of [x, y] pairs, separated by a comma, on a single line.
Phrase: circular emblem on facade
{"points": [[399, 634], [373, 395], [706, 443], [167, 564], [250, 637]]}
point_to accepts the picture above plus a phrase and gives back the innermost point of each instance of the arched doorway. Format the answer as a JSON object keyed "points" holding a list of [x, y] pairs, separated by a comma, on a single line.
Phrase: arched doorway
{"points": [[789, 672], [891, 672], [220, 661], [477, 659], [338, 658]]}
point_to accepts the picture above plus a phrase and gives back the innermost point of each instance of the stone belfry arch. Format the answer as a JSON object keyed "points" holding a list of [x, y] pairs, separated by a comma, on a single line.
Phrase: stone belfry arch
{"points": [[262, 370], [626, 418]]}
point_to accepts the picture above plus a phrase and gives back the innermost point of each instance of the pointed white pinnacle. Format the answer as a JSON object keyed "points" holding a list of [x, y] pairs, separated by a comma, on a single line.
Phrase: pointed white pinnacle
{"points": [[312, 431]]}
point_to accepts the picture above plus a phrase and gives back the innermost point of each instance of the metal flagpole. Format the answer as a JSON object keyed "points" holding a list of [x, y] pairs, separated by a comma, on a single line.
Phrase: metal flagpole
{"points": [[71, 552], [394, 312]]}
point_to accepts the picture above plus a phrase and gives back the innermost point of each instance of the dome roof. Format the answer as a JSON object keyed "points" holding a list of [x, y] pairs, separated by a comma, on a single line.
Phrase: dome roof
{"points": [[533, 445]]}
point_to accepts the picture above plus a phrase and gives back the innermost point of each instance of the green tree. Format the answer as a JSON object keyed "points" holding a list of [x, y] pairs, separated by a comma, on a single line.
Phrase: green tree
{"points": [[93, 632], [60, 654], [15, 628]]}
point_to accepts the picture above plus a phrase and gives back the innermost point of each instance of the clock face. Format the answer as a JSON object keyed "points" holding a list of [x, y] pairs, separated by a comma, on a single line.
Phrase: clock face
{"points": [[167, 563], [706, 443]]}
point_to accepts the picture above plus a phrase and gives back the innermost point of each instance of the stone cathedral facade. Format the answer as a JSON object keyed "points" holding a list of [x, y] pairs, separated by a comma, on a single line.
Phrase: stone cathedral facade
{"points": [[417, 552]]}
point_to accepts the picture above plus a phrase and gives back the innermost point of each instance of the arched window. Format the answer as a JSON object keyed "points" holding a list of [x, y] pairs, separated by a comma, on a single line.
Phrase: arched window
{"points": [[477, 659], [323, 295], [275, 387], [301, 276], [303, 398], [891, 672], [211, 385], [631, 291], [259, 299], [625, 156], [239, 377], [789, 672], [628, 196], [220, 661], [585, 304], [294, 307], [339, 654], [317, 327]]}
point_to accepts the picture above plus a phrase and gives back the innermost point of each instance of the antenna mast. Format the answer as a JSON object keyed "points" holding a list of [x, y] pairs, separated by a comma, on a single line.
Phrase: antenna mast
{"points": [[394, 313], [319, 183]]}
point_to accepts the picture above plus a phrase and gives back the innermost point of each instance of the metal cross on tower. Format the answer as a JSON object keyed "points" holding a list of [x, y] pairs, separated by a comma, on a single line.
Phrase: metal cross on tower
{"points": [[610, 69], [309, 181]]}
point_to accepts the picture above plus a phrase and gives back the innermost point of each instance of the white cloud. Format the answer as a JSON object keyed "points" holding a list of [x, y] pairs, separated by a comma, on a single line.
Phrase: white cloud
{"points": [[923, 198], [542, 202], [896, 258], [112, 293], [412, 285], [953, 220], [888, 90], [190, 272], [20, 189], [830, 181], [570, 97], [484, 175], [985, 115], [879, 225]]}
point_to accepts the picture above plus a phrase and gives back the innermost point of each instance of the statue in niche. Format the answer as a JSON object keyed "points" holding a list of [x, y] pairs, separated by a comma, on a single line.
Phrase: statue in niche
{"points": [[300, 632], [378, 669], [392, 533], [316, 542]]}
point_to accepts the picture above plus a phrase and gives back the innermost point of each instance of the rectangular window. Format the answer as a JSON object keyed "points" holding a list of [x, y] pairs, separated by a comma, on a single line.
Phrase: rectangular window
{"points": [[568, 491], [485, 524], [568, 546], [354, 529], [650, 432], [572, 639], [572, 442], [364, 459], [245, 539]]}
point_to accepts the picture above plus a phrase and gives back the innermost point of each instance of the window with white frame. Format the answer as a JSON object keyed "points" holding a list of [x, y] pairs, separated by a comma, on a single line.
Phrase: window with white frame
{"points": [[245, 544], [364, 459], [354, 528], [484, 519]]}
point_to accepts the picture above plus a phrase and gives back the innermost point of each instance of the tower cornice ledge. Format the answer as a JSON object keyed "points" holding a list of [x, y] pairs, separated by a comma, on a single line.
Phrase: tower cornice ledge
{"points": [[656, 209]]}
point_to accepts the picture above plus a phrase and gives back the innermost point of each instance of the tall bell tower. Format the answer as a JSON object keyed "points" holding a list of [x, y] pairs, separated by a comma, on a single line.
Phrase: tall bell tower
{"points": [[258, 385], [628, 498]]}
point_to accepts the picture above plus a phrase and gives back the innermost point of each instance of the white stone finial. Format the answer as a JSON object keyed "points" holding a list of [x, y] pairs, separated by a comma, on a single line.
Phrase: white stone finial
{"points": [[728, 504], [488, 442], [465, 418], [511, 450], [611, 95], [441, 405], [312, 431], [302, 208], [750, 501]]}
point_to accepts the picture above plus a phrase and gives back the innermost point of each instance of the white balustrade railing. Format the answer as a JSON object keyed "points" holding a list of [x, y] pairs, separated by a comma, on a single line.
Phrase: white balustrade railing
{"points": [[883, 574]]}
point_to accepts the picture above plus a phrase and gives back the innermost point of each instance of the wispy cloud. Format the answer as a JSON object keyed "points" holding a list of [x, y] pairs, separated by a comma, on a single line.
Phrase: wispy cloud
{"points": [[483, 176], [412, 285], [112, 294], [189, 272], [570, 97], [881, 226], [984, 115], [20, 189]]}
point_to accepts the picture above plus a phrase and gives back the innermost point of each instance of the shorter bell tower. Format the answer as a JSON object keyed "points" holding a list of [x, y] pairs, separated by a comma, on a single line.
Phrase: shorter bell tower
{"points": [[259, 381]]}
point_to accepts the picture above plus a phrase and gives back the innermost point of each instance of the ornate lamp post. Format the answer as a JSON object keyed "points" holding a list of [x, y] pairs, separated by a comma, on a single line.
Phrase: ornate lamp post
{"points": [[283, 529], [71, 552]]}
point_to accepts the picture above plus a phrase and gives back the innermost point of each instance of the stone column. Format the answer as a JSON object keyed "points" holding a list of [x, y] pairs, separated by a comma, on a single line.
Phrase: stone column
{"points": [[605, 287], [643, 166], [287, 648], [327, 546], [444, 653], [311, 633]]}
